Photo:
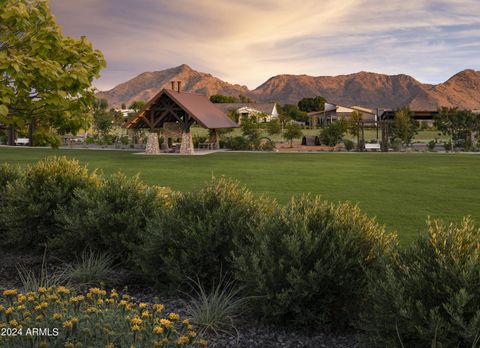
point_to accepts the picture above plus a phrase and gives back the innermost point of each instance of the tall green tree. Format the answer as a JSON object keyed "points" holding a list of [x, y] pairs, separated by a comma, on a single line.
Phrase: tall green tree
{"points": [[404, 126], [274, 127], [220, 98], [312, 104], [137, 105], [290, 111], [460, 125], [353, 123], [45, 77], [292, 131]]}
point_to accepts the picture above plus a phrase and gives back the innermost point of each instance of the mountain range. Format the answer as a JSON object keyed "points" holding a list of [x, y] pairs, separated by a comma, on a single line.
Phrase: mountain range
{"points": [[363, 89]]}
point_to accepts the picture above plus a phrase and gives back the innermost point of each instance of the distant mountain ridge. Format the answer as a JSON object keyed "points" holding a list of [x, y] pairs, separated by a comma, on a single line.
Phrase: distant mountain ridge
{"points": [[363, 88]]}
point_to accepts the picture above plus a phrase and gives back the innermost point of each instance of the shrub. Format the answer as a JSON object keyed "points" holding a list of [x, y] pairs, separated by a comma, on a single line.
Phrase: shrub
{"points": [[431, 145], [428, 295], [28, 205], [349, 145], [97, 319], [197, 236], [238, 143], [397, 144], [333, 133], [8, 173], [109, 217], [197, 139], [307, 264]]}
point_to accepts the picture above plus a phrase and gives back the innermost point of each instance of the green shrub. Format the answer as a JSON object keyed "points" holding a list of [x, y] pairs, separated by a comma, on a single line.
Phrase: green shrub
{"points": [[238, 143], [108, 217], [8, 174], [28, 205], [429, 294], [349, 145], [431, 145], [196, 237], [197, 139], [332, 134], [307, 264]]}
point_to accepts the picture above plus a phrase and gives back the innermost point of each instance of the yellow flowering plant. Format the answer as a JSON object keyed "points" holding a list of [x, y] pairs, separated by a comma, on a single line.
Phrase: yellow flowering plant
{"points": [[95, 319]]}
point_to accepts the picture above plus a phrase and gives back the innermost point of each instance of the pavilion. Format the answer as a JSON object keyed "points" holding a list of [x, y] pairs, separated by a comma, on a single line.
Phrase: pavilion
{"points": [[176, 112]]}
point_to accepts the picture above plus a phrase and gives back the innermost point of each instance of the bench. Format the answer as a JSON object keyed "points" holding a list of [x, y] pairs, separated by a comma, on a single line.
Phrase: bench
{"points": [[208, 146], [22, 141], [374, 147]]}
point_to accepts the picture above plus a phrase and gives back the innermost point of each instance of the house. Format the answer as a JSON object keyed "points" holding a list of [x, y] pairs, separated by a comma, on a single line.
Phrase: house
{"points": [[334, 112], [263, 112]]}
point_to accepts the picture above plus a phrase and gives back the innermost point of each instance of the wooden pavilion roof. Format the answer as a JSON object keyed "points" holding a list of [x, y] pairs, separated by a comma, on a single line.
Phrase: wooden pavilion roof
{"points": [[169, 105]]}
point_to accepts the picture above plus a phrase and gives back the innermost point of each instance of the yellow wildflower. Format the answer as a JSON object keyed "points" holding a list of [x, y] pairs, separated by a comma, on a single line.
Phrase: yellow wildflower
{"points": [[173, 316], [186, 322], [21, 298], [52, 297], [158, 330], [202, 342], [42, 290], [21, 307], [67, 324], [79, 298], [192, 334], [123, 303], [90, 295], [135, 328], [27, 314], [125, 297], [57, 316], [110, 300], [44, 305], [113, 293], [39, 317], [100, 301], [13, 322], [95, 291], [31, 298], [9, 310], [142, 305], [136, 321], [166, 323], [103, 292], [2, 308], [158, 307], [74, 320], [38, 308], [145, 314], [182, 340], [63, 290], [11, 292]]}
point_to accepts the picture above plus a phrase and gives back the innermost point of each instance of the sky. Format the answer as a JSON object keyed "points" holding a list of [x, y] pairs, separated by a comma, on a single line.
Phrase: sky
{"points": [[249, 41]]}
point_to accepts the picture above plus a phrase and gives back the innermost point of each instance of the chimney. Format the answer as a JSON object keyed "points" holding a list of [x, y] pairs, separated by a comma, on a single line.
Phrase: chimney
{"points": [[179, 85], [173, 85]]}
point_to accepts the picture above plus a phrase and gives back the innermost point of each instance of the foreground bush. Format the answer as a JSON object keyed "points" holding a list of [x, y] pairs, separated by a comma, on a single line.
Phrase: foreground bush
{"points": [[8, 174], [196, 237], [98, 319], [28, 204], [109, 217], [307, 264], [429, 295]]}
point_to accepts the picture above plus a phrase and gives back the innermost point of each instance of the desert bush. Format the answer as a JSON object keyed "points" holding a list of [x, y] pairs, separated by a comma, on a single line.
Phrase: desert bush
{"points": [[238, 143], [349, 145], [8, 173], [428, 295], [332, 134], [97, 319], [307, 264], [196, 237], [28, 205], [109, 217]]}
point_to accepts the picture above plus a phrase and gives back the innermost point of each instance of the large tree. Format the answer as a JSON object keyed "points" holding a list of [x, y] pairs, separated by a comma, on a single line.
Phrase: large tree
{"points": [[312, 104], [461, 125], [404, 126], [45, 77]]}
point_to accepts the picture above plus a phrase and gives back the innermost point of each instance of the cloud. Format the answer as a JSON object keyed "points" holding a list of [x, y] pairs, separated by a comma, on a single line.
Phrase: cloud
{"points": [[248, 41]]}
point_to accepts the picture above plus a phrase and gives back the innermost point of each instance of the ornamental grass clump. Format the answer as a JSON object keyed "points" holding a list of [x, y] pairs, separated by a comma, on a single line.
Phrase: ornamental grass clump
{"points": [[306, 265], [29, 201], [429, 294], [197, 236], [90, 269], [109, 217], [95, 319]]}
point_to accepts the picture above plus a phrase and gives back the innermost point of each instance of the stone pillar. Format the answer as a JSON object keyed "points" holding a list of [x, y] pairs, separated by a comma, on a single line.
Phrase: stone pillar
{"points": [[186, 146], [152, 147]]}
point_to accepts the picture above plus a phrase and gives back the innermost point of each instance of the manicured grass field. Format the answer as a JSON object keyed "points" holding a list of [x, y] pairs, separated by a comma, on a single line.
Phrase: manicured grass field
{"points": [[400, 189]]}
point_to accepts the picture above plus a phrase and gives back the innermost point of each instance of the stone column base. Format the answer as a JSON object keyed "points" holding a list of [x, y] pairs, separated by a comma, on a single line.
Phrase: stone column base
{"points": [[152, 147], [186, 146]]}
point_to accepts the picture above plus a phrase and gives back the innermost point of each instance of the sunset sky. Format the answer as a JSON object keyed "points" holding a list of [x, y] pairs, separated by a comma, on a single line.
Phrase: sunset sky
{"points": [[248, 41]]}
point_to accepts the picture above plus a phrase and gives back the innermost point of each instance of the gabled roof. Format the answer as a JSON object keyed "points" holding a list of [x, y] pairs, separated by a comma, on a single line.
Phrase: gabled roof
{"points": [[198, 106], [266, 108]]}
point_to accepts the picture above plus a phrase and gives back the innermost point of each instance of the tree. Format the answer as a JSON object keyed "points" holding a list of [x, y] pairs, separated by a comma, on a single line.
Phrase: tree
{"points": [[404, 126], [292, 131], [245, 99], [353, 123], [102, 118], [312, 104], [274, 127], [251, 130], [137, 105], [220, 98], [332, 134], [292, 112], [45, 77], [460, 125]]}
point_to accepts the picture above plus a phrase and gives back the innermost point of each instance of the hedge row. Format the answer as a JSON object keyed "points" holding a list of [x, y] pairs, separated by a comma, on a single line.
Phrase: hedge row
{"points": [[307, 263]]}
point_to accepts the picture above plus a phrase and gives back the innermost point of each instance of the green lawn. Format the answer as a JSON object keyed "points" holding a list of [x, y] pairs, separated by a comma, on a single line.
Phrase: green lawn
{"points": [[400, 189]]}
